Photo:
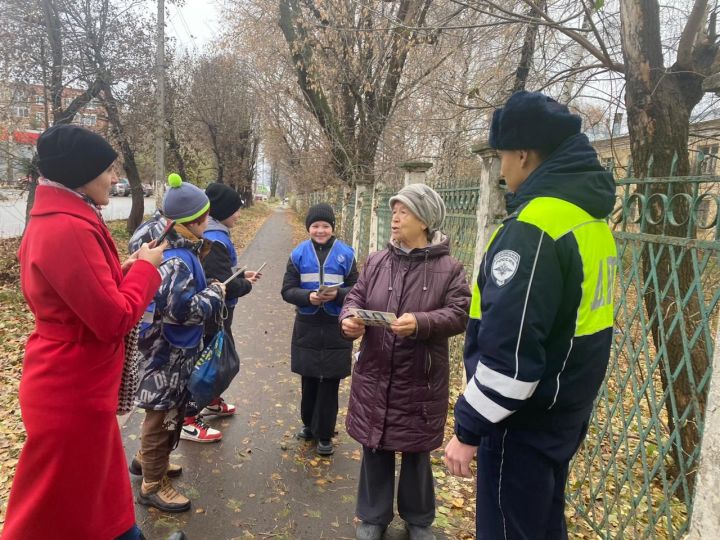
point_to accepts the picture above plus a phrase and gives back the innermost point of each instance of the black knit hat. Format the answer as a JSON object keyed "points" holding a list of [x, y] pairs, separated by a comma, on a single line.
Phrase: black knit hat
{"points": [[73, 155], [532, 121], [320, 212], [224, 200]]}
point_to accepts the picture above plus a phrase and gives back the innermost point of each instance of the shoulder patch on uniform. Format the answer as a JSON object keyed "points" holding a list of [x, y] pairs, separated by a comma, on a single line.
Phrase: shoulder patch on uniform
{"points": [[504, 266], [341, 259]]}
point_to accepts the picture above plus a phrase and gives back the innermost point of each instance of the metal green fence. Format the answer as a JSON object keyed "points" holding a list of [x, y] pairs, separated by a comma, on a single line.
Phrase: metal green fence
{"points": [[634, 475], [384, 217], [461, 200]]}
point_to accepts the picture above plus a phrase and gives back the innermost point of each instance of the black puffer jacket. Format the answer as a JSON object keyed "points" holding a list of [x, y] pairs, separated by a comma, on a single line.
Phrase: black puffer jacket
{"points": [[318, 348]]}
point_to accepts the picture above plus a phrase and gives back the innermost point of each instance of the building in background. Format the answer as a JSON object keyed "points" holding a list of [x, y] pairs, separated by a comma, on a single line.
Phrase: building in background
{"points": [[612, 143], [25, 112]]}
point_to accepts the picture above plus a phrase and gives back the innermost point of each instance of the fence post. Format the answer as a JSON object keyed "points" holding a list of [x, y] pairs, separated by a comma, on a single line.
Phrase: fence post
{"points": [[378, 187], [491, 202], [415, 171], [360, 196], [347, 192], [705, 518]]}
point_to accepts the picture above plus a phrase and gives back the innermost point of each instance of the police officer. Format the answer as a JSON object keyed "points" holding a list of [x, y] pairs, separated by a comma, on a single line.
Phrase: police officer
{"points": [[538, 341]]}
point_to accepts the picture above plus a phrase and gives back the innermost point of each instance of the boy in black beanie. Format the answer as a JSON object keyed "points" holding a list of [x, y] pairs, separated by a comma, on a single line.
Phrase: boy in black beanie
{"points": [[219, 264], [319, 353]]}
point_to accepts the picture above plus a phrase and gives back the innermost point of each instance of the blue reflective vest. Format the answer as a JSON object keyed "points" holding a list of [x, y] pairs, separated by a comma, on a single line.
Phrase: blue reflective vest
{"points": [[336, 268], [181, 336], [216, 235]]}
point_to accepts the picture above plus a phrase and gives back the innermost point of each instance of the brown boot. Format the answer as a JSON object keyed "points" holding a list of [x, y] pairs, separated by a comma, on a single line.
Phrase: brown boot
{"points": [[163, 496], [173, 471]]}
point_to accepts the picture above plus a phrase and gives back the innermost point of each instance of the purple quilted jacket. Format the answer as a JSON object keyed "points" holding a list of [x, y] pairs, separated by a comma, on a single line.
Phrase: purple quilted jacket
{"points": [[399, 393]]}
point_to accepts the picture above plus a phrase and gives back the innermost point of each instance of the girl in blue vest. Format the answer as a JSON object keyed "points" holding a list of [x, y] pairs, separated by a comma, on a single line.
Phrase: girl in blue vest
{"points": [[220, 263], [319, 353], [172, 341]]}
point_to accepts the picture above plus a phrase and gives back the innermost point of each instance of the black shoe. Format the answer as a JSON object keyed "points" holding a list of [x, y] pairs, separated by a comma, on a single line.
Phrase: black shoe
{"points": [[305, 434], [173, 470], [325, 448], [368, 531], [418, 532]]}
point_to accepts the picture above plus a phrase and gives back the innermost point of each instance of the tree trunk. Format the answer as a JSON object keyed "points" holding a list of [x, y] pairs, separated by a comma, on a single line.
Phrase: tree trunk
{"points": [[528, 49], [274, 180], [659, 103], [177, 160], [129, 164], [32, 186]]}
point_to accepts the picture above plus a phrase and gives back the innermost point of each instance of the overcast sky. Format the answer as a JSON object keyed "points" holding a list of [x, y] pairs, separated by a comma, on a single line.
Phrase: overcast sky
{"points": [[195, 24]]}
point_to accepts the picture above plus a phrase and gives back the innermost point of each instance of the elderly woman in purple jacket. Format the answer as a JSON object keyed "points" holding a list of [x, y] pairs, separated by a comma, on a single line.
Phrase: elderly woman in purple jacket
{"points": [[400, 383]]}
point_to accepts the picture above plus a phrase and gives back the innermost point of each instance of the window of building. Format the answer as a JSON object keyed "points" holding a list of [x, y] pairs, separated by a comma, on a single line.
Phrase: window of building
{"points": [[89, 120], [21, 112], [617, 124], [710, 157], [39, 99], [39, 116]]}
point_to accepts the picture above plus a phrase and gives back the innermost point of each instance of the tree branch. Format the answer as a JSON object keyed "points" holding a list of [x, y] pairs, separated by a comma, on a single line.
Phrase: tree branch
{"points": [[689, 36]]}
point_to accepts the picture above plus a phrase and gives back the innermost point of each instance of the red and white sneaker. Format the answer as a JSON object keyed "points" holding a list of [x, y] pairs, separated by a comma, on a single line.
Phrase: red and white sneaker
{"points": [[219, 407], [196, 430]]}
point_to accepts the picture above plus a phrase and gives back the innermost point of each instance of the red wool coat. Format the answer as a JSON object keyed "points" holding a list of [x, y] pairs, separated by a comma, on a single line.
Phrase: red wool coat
{"points": [[72, 481]]}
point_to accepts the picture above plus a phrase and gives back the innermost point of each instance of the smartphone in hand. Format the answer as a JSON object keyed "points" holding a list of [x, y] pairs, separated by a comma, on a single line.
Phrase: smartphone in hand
{"points": [[168, 227]]}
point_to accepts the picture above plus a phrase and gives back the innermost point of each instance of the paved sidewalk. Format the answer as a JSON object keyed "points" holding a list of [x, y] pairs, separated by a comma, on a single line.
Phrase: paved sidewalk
{"points": [[259, 482]]}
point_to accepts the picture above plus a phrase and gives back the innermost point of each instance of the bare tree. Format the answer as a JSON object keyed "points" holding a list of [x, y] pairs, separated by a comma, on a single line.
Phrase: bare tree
{"points": [[223, 104], [349, 60]]}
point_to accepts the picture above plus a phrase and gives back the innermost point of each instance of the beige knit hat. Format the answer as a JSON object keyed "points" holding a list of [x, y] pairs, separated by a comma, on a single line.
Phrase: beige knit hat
{"points": [[425, 203]]}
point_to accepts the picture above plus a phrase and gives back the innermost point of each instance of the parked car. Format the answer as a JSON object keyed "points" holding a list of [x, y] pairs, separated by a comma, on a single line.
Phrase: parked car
{"points": [[121, 189], [147, 190]]}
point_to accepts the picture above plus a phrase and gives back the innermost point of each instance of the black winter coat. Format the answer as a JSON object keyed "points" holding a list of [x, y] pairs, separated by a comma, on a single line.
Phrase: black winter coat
{"points": [[318, 348]]}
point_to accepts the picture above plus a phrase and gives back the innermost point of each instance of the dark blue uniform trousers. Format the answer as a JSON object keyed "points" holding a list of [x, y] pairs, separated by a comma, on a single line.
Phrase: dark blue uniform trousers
{"points": [[521, 483]]}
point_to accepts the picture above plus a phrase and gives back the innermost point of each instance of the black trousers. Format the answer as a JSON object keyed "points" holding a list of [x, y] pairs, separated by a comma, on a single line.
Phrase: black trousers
{"points": [[191, 408], [521, 483], [319, 406], [376, 491]]}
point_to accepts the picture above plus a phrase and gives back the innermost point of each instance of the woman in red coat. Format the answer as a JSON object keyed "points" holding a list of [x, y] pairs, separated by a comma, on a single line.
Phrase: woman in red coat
{"points": [[71, 481]]}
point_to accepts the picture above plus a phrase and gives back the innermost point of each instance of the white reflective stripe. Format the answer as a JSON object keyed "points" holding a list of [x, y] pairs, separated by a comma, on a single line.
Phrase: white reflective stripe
{"points": [[310, 278], [527, 297], [504, 385], [334, 278], [502, 462], [557, 390], [483, 404]]}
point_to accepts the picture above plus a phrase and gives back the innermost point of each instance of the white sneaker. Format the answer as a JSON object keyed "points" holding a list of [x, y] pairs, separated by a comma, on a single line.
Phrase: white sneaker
{"points": [[219, 407], [196, 430]]}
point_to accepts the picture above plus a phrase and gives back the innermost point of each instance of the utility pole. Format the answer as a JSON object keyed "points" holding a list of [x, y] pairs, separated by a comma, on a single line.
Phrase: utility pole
{"points": [[160, 121]]}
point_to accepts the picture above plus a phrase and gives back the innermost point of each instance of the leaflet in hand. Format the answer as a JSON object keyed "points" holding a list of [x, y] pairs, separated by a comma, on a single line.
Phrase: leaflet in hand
{"points": [[324, 289], [374, 318], [236, 274]]}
